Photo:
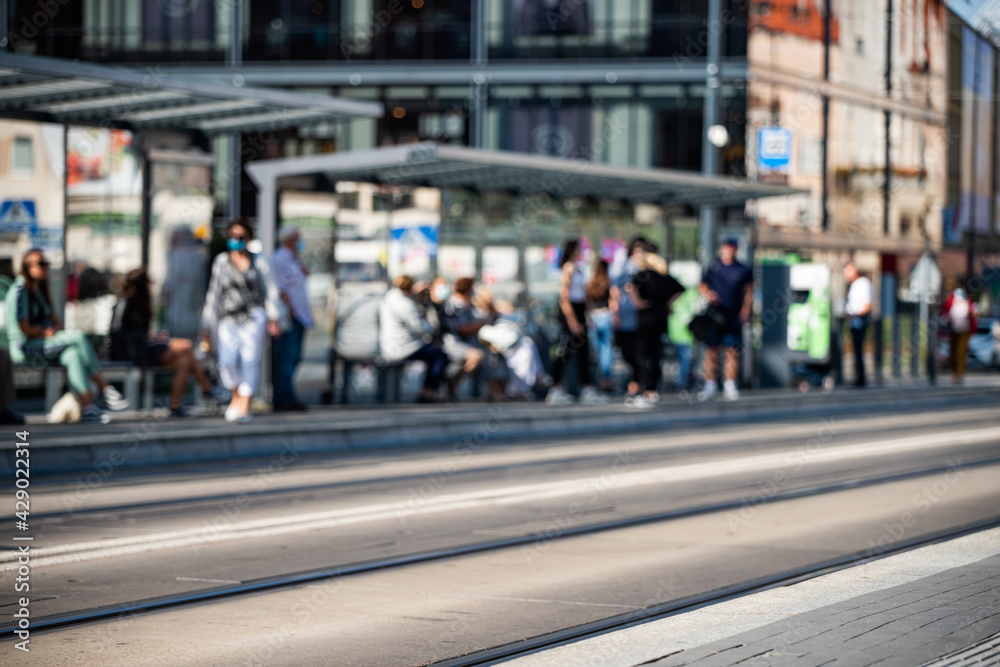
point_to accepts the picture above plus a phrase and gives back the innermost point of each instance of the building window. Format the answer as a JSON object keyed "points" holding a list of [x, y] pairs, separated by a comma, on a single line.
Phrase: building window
{"points": [[23, 157]]}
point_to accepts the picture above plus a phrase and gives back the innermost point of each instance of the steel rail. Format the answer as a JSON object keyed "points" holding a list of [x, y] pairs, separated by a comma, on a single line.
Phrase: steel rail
{"points": [[127, 609], [550, 640]]}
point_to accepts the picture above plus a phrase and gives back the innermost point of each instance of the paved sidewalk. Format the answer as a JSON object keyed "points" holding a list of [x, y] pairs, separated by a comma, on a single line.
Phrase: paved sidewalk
{"points": [[138, 440], [936, 605]]}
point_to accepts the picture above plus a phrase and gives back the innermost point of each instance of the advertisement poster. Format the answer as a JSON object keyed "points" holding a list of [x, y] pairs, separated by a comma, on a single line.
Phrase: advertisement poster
{"points": [[102, 162]]}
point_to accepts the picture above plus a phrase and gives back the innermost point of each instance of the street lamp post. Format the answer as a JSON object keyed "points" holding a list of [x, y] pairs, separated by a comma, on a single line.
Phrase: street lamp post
{"points": [[710, 154]]}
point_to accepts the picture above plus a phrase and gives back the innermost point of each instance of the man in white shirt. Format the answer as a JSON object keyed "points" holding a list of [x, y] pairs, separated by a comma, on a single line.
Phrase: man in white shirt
{"points": [[289, 275], [858, 311]]}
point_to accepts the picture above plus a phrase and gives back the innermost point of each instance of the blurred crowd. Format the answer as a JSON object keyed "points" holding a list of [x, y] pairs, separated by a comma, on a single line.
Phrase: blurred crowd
{"points": [[460, 333], [456, 329]]}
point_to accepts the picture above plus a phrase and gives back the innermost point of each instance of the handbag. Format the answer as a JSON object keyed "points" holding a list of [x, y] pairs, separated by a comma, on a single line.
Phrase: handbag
{"points": [[702, 325]]}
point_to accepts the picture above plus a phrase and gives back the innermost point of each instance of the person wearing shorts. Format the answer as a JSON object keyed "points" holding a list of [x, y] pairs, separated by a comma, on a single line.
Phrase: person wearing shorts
{"points": [[728, 286]]}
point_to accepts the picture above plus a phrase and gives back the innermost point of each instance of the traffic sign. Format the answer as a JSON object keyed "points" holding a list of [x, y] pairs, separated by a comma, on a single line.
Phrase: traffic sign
{"points": [[774, 148], [17, 215]]}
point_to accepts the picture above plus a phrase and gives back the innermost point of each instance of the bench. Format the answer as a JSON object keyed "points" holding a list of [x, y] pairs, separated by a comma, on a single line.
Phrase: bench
{"points": [[389, 378], [149, 385], [53, 379]]}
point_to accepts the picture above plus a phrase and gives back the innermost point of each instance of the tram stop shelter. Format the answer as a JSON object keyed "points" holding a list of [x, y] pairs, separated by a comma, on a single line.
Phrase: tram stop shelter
{"points": [[434, 165], [54, 90], [519, 175]]}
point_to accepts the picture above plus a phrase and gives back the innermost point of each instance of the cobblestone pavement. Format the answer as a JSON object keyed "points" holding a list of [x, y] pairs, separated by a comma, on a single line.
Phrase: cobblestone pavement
{"points": [[906, 625]]}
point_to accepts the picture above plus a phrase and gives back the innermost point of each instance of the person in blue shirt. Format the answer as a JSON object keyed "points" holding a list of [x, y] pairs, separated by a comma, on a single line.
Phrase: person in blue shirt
{"points": [[728, 286]]}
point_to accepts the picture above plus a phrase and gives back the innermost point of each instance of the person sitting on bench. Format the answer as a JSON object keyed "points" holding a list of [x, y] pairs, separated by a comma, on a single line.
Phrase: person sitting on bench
{"points": [[38, 338], [131, 341]]}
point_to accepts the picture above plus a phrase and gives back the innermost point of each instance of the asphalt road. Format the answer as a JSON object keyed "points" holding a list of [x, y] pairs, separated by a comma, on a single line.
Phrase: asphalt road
{"points": [[134, 537]]}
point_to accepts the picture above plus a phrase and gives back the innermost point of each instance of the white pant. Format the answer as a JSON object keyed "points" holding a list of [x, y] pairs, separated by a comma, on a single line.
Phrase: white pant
{"points": [[239, 347], [525, 365]]}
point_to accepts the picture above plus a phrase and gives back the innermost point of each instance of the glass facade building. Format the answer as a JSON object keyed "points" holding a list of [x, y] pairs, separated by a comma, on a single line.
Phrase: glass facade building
{"points": [[887, 121]]}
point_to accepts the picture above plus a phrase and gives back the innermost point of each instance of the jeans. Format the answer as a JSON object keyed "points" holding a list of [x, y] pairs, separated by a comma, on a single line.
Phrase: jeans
{"points": [[73, 351], [602, 336], [683, 351], [437, 362], [239, 351], [288, 348]]}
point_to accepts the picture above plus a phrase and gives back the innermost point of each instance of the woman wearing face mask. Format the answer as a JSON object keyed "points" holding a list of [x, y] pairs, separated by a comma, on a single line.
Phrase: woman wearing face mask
{"points": [[241, 305], [573, 342]]}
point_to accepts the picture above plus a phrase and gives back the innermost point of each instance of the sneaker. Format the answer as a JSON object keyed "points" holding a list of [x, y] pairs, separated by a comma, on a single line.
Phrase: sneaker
{"points": [[730, 391], [557, 396], [631, 398], [232, 414], [589, 396], [92, 413], [244, 419], [709, 392], [218, 394], [640, 403], [114, 399], [182, 412], [828, 384]]}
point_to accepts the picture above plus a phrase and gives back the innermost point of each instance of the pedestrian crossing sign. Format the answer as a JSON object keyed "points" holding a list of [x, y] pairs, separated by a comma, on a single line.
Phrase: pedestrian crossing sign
{"points": [[17, 214]]}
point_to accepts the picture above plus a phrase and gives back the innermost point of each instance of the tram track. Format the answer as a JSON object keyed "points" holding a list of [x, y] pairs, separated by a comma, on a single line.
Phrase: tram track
{"points": [[75, 618], [498, 461], [500, 654]]}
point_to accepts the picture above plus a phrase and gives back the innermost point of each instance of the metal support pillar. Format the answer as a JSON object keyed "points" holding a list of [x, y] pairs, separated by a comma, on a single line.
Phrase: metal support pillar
{"points": [[710, 154], [878, 349], [887, 181], [480, 91], [235, 175], [668, 235], [390, 206], [521, 225], [480, 231], [825, 192], [897, 346], [234, 59], [146, 205], [970, 229], [265, 388], [925, 320]]}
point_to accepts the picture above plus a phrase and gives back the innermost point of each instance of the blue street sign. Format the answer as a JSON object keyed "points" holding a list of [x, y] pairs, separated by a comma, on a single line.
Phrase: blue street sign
{"points": [[774, 151], [17, 215]]}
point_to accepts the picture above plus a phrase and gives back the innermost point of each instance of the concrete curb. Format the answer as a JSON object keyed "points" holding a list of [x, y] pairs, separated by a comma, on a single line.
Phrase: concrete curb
{"points": [[144, 444]]}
